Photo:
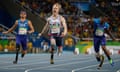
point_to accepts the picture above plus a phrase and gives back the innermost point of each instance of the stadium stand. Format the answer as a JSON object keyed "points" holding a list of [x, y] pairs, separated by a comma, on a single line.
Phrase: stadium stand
{"points": [[77, 20]]}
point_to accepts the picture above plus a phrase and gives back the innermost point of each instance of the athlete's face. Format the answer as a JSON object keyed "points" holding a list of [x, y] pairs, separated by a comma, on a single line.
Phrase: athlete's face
{"points": [[23, 14], [103, 20], [55, 9]]}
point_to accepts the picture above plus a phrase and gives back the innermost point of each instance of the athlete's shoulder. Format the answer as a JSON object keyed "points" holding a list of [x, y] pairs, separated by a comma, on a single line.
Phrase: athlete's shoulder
{"points": [[62, 18], [106, 24], [48, 19], [28, 20], [16, 22]]}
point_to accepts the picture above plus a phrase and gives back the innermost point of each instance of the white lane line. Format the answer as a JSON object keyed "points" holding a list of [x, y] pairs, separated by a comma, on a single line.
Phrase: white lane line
{"points": [[22, 60], [59, 65], [46, 61], [31, 60], [118, 70], [74, 70], [96, 70], [41, 57], [14, 68], [57, 69]]}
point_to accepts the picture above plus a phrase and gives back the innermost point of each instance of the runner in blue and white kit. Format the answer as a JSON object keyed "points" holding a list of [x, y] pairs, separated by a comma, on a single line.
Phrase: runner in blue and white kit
{"points": [[22, 26]]}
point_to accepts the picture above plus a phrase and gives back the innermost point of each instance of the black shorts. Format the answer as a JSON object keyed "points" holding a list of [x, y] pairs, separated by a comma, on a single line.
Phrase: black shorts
{"points": [[58, 40]]}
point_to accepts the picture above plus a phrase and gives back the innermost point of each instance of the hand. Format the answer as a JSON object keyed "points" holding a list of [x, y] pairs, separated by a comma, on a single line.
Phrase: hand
{"points": [[29, 32], [6, 32], [63, 34], [39, 34]]}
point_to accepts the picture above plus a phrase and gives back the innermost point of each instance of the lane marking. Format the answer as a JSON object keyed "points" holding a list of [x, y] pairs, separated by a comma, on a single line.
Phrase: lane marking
{"points": [[42, 62], [58, 65], [103, 70], [14, 68], [77, 69], [118, 70], [41, 57]]}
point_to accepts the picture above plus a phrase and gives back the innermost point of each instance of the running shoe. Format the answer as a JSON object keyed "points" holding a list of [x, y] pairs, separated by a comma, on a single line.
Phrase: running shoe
{"points": [[111, 62], [59, 54], [101, 61], [14, 62], [51, 61]]}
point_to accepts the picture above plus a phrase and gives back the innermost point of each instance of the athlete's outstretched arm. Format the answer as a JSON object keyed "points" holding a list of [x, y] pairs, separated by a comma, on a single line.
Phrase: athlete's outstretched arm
{"points": [[12, 28], [45, 28], [64, 25], [31, 27], [110, 34]]}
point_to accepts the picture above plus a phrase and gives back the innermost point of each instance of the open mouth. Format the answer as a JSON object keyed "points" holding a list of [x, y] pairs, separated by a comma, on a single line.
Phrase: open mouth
{"points": [[54, 10]]}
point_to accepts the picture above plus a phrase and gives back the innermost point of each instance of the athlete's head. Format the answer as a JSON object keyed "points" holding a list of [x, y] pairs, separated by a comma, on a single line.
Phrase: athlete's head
{"points": [[104, 19], [23, 14], [56, 8]]}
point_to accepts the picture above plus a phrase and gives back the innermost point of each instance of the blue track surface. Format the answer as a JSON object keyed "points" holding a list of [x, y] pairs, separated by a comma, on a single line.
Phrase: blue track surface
{"points": [[68, 62]]}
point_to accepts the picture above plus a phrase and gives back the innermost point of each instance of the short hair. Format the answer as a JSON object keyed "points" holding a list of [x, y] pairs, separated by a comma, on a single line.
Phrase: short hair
{"points": [[23, 11], [57, 4]]}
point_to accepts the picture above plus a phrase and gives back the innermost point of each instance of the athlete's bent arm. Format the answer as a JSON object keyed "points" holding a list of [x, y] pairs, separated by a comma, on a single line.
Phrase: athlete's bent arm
{"points": [[31, 27], [64, 25], [110, 34], [12, 28]]}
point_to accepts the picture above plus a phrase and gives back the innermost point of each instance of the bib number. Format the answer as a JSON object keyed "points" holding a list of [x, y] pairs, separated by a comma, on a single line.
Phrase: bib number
{"points": [[99, 32], [55, 30], [22, 31]]}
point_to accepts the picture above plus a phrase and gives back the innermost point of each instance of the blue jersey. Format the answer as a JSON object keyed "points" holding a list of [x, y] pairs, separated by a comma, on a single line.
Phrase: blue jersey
{"points": [[22, 27], [96, 20], [99, 28]]}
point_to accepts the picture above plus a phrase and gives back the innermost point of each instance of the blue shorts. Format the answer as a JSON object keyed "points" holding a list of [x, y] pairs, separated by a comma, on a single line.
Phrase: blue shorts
{"points": [[99, 41], [22, 40]]}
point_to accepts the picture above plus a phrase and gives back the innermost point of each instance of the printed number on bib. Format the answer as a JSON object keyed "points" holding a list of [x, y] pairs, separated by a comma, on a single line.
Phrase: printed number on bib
{"points": [[55, 30], [22, 31], [99, 32]]}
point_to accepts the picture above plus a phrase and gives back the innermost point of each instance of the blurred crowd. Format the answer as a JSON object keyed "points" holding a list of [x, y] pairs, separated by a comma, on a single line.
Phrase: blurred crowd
{"points": [[77, 22]]}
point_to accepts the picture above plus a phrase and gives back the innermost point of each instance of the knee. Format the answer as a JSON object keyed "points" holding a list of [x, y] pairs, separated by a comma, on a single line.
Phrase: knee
{"points": [[103, 47], [96, 50], [53, 42], [17, 47]]}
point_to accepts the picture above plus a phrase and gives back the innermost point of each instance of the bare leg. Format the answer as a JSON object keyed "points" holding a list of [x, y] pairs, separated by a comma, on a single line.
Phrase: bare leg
{"points": [[59, 50], [53, 44], [107, 53]]}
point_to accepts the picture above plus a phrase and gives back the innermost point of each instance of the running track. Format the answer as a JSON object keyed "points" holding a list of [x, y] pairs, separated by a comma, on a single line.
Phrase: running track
{"points": [[68, 62]]}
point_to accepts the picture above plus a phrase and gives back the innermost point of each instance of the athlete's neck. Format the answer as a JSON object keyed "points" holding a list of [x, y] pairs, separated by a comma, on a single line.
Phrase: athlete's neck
{"points": [[55, 15], [22, 19]]}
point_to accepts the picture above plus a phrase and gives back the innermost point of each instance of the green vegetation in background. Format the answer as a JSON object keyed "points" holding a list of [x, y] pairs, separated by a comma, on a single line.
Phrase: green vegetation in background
{"points": [[114, 43], [4, 42], [81, 45]]}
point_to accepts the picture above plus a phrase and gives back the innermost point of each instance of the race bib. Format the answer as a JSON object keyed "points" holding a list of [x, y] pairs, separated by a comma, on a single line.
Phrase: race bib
{"points": [[22, 31], [99, 32], [55, 30]]}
